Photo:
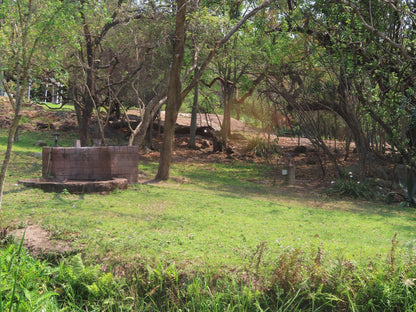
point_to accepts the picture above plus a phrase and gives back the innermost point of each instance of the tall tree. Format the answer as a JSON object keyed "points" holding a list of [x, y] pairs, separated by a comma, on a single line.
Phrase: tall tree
{"points": [[29, 31], [174, 99], [97, 19], [172, 111]]}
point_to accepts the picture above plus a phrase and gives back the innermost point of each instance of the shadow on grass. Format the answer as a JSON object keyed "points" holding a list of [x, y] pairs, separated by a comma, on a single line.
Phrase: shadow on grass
{"points": [[16, 191]]}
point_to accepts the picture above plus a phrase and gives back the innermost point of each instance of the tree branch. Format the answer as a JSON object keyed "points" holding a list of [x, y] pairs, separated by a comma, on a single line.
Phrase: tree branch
{"points": [[220, 43], [379, 33]]}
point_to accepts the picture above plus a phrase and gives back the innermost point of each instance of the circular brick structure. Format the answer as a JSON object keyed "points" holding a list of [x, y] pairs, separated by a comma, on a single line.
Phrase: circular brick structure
{"points": [[87, 169]]}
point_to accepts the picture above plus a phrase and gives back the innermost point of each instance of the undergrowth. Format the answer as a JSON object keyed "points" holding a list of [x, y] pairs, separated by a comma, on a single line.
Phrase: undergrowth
{"points": [[349, 186], [262, 147], [291, 282]]}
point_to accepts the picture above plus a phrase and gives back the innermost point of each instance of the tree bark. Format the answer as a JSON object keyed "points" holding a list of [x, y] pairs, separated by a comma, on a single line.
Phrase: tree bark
{"points": [[84, 124], [174, 98], [138, 135], [194, 114], [7, 156], [228, 101]]}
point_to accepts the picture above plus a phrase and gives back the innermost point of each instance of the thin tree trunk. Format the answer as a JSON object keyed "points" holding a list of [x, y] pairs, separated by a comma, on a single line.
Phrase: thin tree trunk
{"points": [[194, 114], [7, 156], [226, 121], [1, 84], [138, 135], [347, 110], [84, 125], [174, 100]]}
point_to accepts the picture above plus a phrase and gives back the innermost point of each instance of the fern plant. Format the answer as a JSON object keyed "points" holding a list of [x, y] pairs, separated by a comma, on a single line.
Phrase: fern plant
{"points": [[24, 282], [86, 287]]}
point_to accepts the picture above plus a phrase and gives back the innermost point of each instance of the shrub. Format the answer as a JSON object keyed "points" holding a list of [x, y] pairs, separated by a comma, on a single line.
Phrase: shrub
{"points": [[351, 187], [261, 147]]}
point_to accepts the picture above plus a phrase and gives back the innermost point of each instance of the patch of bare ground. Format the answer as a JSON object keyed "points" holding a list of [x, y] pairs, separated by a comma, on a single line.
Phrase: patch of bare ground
{"points": [[38, 241]]}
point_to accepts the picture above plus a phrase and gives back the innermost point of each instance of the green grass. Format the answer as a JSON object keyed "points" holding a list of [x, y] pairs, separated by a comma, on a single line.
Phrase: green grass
{"points": [[213, 238], [215, 217]]}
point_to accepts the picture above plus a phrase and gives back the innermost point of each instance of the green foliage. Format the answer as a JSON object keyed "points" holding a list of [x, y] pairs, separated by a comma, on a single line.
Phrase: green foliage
{"points": [[262, 147], [293, 282], [27, 284], [24, 282], [297, 280], [351, 187], [87, 288]]}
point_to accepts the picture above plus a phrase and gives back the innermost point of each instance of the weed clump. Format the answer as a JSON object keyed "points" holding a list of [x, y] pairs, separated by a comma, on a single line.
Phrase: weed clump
{"points": [[351, 187], [262, 148]]}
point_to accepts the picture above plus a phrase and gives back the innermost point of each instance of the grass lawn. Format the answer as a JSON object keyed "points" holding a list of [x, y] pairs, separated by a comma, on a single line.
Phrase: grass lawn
{"points": [[211, 215]]}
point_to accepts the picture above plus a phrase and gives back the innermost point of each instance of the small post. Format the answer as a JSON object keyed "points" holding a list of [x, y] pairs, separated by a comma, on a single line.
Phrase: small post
{"points": [[290, 172], [56, 134]]}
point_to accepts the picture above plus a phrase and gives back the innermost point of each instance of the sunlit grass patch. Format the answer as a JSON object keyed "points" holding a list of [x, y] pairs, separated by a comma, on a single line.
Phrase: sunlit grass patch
{"points": [[217, 216]]}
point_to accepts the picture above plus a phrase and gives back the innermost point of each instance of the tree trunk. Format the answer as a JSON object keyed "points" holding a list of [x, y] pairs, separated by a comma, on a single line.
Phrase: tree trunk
{"points": [[194, 114], [226, 121], [1, 84], [89, 95], [347, 109], [84, 124], [8, 155], [174, 100], [138, 135]]}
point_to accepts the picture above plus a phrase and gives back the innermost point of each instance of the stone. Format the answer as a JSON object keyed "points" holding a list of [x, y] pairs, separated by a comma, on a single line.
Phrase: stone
{"points": [[42, 125]]}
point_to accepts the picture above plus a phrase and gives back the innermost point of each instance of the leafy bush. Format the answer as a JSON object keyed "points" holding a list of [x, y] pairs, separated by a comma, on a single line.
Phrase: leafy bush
{"points": [[262, 147], [26, 284], [351, 187]]}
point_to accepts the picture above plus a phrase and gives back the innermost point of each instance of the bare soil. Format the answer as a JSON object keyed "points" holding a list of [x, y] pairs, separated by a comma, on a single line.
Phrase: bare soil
{"points": [[38, 241]]}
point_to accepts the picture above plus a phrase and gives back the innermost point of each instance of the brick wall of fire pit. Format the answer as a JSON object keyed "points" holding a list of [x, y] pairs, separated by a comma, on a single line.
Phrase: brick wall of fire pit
{"points": [[90, 163]]}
